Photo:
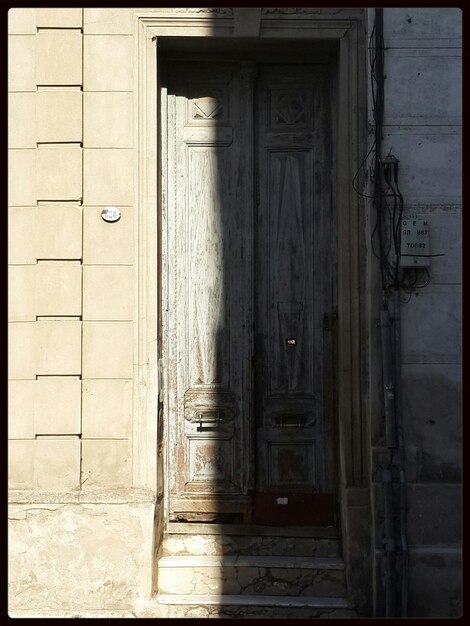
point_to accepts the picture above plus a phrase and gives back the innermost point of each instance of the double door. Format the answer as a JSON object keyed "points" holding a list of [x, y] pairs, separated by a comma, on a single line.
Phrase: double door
{"points": [[248, 280]]}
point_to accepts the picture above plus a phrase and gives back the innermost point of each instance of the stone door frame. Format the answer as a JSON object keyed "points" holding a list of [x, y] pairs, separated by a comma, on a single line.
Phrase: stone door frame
{"points": [[347, 27]]}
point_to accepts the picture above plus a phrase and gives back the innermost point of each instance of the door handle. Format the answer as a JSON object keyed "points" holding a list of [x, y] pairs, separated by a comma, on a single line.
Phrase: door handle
{"points": [[289, 421], [209, 419]]}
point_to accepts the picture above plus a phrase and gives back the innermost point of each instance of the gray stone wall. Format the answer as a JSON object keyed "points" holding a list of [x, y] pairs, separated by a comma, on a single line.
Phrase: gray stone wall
{"points": [[422, 128]]}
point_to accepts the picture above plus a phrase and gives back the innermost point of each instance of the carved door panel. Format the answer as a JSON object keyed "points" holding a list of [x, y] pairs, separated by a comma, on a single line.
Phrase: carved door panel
{"points": [[208, 338], [247, 279], [294, 271]]}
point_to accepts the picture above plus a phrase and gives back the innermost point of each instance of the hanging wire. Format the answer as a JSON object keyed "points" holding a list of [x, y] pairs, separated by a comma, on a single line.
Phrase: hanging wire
{"points": [[389, 201]]}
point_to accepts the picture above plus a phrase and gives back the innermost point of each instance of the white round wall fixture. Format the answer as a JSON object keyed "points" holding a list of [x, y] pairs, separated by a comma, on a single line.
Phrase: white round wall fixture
{"points": [[111, 214]]}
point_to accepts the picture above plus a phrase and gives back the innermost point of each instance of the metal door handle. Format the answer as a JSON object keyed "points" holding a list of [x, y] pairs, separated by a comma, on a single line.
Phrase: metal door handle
{"points": [[289, 421], [211, 418]]}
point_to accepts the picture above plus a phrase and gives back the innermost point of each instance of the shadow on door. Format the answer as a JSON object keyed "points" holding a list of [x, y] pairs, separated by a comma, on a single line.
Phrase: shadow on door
{"points": [[248, 280]]}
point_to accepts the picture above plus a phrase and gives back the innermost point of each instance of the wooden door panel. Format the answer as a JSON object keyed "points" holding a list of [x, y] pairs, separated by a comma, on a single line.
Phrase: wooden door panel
{"points": [[290, 286], [226, 408], [209, 271], [293, 280]]}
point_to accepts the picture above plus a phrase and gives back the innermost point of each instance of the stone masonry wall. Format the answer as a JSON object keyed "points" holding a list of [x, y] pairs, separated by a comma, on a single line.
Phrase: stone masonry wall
{"points": [[71, 279], [80, 538], [422, 128]]}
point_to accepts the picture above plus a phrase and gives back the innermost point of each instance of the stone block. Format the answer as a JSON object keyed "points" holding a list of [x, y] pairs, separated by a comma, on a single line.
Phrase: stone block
{"points": [[425, 27], [108, 21], [80, 546], [430, 162], [22, 63], [21, 173], [59, 172], [57, 406], [59, 115], [435, 582], [21, 350], [106, 409], [108, 292], [22, 120], [436, 337], [432, 406], [59, 18], [21, 21], [439, 466], [59, 57], [21, 464], [58, 288], [445, 237], [108, 120], [21, 235], [105, 243], [21, 409], [59, 232], [106, 463], [423, 90], [58, 347], [247, 575], [108, 349], [21, 287], [57, 463], [108, 177], [108, 63], [434, 514]]}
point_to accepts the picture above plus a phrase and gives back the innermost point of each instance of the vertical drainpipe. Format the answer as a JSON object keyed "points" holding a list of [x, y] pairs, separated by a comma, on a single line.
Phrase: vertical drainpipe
{"points": [[395, 435], [389, 539], [401, 456]]}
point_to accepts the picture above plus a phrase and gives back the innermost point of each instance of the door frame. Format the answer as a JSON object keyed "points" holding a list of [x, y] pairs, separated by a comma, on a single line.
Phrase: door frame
{"points": [[348, 28]]}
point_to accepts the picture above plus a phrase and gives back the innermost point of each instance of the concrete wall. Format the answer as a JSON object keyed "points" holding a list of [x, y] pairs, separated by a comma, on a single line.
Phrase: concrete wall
{"points": [[422, 128]]}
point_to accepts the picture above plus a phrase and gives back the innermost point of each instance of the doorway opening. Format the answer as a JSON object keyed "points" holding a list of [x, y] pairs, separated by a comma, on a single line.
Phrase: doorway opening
{"points": [[249, 282]]}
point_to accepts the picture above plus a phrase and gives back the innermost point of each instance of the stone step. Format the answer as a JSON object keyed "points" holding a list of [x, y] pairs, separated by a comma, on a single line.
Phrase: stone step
{"points": [[265, 575], [220, 539], [191, 528], [258, 606]]}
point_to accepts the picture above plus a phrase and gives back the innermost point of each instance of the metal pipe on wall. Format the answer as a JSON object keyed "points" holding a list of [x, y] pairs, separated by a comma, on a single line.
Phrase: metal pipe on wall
{"points": [[389, 540], [401, 455], [388, 380]]}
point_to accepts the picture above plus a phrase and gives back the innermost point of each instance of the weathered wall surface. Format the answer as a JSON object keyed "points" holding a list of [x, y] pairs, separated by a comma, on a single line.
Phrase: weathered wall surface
{"points": [[80, 556], [422, 128]]}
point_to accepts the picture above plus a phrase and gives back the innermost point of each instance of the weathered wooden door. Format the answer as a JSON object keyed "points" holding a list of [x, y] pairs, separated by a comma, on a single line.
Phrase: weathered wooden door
{"points": [[294, 269], [247, 277]]}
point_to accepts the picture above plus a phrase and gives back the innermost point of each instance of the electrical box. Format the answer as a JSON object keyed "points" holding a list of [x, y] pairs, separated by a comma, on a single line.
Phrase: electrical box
{"points": [[415, 250]]}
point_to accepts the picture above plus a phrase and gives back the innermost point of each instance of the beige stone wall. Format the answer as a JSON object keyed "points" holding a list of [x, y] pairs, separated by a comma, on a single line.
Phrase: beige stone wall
{"points": [[80, 558], [81, 530], [71, 275]]}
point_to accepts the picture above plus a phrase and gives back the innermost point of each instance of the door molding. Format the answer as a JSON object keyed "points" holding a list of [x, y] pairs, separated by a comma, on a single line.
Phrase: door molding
{"points": [[347, 26]]}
